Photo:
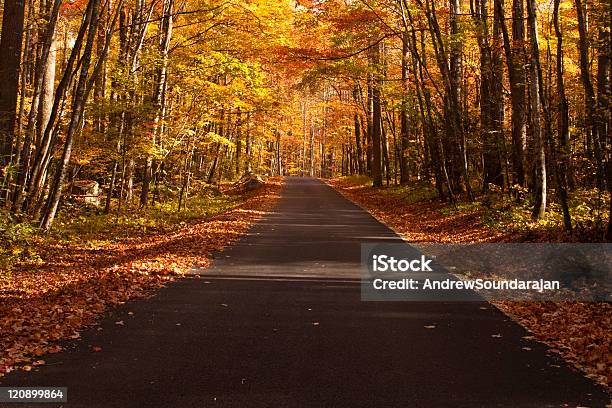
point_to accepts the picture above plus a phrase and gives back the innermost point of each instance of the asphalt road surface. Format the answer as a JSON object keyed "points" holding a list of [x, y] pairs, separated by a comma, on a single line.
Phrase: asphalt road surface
{"points": [[278, 322]]}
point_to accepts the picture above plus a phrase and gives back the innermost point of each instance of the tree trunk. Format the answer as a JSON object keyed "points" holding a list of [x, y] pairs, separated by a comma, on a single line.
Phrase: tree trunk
{"points": [[43, 93], [279, 164], [358, 152], [605, 116], [10, 60], [376, 119], [385, 152], [28, 56], [457, 146], [81, 93], [562, 107], [603, 88], [560, 156], [46, 94], [369, 128], [491, 102], [111, 187], [248, 152], [539, 206], [213, 167], [430, 134], [497, 104], [453, 147], [159, 98], [589, 92], [404, 121], [357, 129], [78, 106], [515, 59], [312, 147], [518, 90], [238, 157], [46, 146]]}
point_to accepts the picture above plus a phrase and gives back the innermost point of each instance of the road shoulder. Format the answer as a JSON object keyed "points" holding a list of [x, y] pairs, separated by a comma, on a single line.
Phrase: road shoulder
{"points": [[581, 332]]}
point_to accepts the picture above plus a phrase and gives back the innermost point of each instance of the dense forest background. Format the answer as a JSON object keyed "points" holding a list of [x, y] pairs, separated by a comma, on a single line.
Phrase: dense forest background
{"points": [[131, 104]]}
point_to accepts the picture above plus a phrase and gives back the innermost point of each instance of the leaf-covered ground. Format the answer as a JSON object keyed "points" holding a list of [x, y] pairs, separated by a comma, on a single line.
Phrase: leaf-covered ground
{"points": [[580, 331], [73, 282]]}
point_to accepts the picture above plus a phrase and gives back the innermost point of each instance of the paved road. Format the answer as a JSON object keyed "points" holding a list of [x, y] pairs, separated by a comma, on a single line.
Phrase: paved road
{"points": [[278, 322]]}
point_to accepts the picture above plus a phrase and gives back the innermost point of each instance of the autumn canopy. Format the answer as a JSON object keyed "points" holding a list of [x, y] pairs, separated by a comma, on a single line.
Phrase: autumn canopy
{"points": [[153, 98]]}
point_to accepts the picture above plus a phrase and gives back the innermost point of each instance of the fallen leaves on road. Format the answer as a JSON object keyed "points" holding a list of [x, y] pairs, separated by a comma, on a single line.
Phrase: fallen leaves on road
{"points": [[578, 331], [581, 332], [44, 302], [420, 221]]}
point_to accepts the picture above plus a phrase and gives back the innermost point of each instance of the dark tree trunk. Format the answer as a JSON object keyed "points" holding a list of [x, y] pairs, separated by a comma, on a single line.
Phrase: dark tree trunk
{"points": [[454, 145], [457, 146], [111, 187], [491, 102], [603, 88], [357, 129], [213, 166], [430, 132], [358, 149], [248, 152], [10, 60], [311, 171], [43, 91], [515, 59], [560, 155], [159, 98], [605, 113], [404, 120], [518, 89], [563, 153], [385, 152], [279, 164], [589, 92], [376, 135], [369, 129], [238, 157], [497, 103]]}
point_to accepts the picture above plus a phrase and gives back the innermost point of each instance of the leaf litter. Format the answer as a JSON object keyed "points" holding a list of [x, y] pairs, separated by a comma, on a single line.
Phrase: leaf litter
{"points": [[581, 332], [45, 302]]}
